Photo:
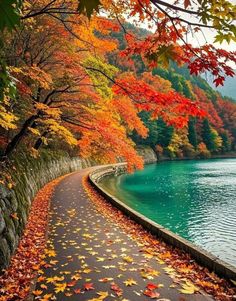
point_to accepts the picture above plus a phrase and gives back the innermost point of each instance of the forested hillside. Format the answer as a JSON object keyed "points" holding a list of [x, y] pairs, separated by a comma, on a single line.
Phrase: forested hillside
{"points": [[96, 87], [214, 134]]}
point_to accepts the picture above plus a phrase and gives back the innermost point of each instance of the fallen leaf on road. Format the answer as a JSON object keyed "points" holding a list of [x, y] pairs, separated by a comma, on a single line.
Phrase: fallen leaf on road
{"points": [[151, 294], [130, 282], [188, 288], [151, 286], [88, 286]]}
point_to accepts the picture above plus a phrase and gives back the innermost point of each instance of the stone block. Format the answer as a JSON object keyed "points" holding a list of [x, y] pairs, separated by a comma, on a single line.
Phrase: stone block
{"points": [[4, 192], [4, 253], [12, 200], [2, 222], [2, 205], [11, 239]]}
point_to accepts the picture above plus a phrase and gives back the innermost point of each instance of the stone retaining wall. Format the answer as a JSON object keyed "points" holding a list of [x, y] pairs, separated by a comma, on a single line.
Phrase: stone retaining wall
{"points": [[28, 175]]}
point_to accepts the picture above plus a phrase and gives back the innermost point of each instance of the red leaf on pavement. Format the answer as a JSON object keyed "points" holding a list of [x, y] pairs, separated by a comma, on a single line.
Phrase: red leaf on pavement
{"points": [[88, 286], [151, 294], [77, 291], [116, 289], [72, 283], [151, 286]]}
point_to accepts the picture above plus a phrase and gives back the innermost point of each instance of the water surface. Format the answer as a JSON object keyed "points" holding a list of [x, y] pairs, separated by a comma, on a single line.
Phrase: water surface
{"points": [[195, 199]]}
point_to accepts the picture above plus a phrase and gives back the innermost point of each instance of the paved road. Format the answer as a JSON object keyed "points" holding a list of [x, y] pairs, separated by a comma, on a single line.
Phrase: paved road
{"points": [[88, 254]]}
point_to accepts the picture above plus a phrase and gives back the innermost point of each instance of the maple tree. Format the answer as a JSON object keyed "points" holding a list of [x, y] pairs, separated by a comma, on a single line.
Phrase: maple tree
{"points": [[56, 72]]}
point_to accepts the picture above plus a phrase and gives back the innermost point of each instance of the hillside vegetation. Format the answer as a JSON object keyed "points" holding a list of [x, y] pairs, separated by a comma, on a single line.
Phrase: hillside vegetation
{"points": [[213, 134], [97, 87]]}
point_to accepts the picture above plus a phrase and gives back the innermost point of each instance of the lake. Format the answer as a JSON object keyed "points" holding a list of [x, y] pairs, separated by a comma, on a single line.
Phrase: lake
{"points": [[195, 199]]}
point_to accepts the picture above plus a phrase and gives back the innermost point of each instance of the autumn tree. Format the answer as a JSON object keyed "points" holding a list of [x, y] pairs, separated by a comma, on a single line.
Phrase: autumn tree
{"points": [[172, 23], [57, 81]]}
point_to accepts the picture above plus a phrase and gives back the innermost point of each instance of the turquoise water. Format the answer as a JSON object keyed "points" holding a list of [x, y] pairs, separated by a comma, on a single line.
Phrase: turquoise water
{"points": [[195, 199]]}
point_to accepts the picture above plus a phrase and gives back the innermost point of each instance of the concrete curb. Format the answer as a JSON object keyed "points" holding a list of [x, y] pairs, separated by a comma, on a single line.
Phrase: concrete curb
{"points": [[201, 256]]}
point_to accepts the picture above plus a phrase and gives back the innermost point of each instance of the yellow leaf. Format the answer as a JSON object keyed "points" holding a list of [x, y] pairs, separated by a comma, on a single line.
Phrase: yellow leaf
{"points": [[87, 271], [50, 253], [149, 256], [100, 259], [102, 295], [130, 282], [86, 235], [34, 131], [128, 259], [53, 262], [76, 277], [54, 279], [188, 288], [60, 287], [50, 280]]}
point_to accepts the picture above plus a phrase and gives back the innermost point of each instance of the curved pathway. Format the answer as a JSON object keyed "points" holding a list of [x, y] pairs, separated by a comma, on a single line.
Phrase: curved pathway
{"points": [[90, 258]]}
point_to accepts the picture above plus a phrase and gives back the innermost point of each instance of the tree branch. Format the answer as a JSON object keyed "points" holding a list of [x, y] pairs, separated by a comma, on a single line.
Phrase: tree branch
{"points": [[174, 7]]}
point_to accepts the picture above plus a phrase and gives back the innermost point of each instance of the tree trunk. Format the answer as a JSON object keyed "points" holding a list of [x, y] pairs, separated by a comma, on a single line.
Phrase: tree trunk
{"points": [[18, 137], [39, 142]]}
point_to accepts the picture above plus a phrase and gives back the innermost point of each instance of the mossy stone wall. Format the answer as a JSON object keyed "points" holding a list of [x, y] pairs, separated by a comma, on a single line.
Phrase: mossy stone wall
{"points": [[28, 175]]}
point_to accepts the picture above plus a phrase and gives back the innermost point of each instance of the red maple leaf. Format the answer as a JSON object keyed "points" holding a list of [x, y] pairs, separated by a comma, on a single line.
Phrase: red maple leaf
{"points": [[151, 286], [72, 283], [77, 291], [151, 294], [116, 289], [219, 81], [88, 286]]}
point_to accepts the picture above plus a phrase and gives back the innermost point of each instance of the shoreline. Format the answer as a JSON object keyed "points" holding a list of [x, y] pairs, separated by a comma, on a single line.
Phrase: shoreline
{"points": [[200, 255], [149, 156], [226, 156]]}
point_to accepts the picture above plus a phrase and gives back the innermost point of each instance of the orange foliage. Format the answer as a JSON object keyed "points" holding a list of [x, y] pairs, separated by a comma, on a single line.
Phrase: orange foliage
{"points": [[73, 93], [207, 105], [172, 107]]}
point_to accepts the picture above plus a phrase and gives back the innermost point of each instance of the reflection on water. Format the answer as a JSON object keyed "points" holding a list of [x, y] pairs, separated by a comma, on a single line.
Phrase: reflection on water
{"points": [[195, 199]]}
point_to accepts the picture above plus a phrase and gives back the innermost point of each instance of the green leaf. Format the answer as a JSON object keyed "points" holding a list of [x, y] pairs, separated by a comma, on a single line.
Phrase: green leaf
{"points": [[100, 72], [164, 55], [9, 15], [88, 6], [219, 38]]}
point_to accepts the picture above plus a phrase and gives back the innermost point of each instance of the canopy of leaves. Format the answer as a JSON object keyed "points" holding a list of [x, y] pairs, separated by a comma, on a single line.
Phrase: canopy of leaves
{"points": [[75, 78]]}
